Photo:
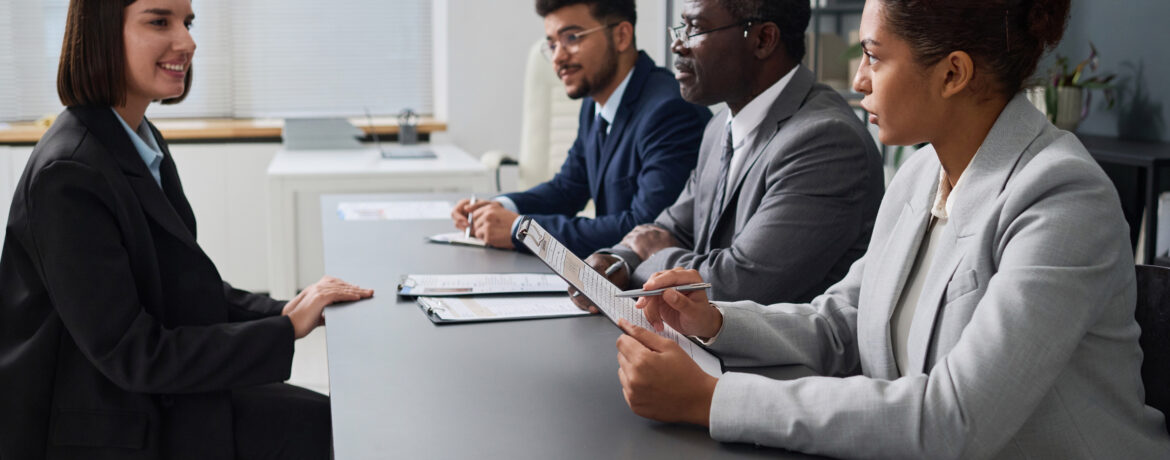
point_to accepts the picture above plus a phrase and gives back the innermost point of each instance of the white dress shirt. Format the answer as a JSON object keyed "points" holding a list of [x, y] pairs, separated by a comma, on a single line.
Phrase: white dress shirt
{"points": [[746, 123]]}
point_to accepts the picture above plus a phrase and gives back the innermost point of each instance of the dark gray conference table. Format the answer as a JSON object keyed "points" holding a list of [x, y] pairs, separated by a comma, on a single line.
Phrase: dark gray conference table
{"points": [[402, 387]]}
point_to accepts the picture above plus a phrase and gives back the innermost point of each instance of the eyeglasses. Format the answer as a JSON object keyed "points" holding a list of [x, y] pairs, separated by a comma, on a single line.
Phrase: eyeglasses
{"points": [[682, 32], [571, 42]]}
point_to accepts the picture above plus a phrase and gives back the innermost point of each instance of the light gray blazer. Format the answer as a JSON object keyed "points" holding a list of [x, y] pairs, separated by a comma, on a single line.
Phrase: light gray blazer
{"points": [[1023, 344], [800, 210]]}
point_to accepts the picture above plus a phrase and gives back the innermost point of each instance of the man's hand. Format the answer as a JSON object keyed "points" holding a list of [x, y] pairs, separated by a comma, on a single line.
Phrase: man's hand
{"points": [[647, 239], [601, 263], [690, 313], [659, 380], [463, 208], [492, 222], [306, 310]]}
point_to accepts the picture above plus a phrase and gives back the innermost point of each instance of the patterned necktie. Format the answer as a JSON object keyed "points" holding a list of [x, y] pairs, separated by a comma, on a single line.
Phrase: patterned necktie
{"points": [[721, 186]]}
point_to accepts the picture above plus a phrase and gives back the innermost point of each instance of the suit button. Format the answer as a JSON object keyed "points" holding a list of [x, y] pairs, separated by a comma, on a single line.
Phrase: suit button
{"points": [[167, 401]]}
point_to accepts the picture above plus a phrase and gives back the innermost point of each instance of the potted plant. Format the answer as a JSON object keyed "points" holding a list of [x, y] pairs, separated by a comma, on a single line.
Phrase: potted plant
{"points": [[1065, 95]]}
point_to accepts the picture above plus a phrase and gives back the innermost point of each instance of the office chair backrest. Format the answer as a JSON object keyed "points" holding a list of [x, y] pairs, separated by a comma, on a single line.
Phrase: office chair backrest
{"points": [[1153, 315], [549, 124]]}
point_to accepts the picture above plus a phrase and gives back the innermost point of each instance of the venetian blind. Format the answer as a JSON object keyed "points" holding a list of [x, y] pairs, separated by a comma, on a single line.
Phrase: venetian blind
{"points": [[254, 58]]}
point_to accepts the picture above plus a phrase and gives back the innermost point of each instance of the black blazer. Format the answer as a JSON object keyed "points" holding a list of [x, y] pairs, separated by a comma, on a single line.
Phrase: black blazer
{"points": [[118, 338]]}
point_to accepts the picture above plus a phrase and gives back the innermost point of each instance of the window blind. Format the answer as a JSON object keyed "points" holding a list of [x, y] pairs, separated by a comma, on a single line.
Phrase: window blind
{"points": [[254, 58]]}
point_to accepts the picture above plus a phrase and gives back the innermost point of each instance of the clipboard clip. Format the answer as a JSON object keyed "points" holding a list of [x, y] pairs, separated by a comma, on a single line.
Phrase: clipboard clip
{"points": [[522, 228], [432, 307], [406, 283]]}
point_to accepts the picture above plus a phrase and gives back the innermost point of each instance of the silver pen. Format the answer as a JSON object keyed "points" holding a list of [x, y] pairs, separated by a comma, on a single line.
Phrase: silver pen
{"points": [[467, 232], [655, 292]]}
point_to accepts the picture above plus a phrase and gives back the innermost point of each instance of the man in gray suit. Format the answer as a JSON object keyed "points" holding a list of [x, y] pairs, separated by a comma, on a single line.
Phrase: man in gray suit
{"points": [[788, 183]]}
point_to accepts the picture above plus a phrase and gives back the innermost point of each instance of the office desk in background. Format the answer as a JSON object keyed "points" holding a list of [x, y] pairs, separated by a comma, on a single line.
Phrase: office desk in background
{"points": [[296, 179], [402, 387]]}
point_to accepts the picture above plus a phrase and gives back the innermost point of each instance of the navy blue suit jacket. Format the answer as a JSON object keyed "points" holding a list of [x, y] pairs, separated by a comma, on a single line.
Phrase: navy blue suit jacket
{"points": [[639, 171]]}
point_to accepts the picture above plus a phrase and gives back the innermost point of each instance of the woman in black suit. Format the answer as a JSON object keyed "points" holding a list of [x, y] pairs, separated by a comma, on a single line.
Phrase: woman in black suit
{"points": [[118, 338]]}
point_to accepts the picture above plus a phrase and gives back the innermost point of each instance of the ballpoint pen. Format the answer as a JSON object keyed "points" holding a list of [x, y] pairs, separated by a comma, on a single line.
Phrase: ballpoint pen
{"points": [[467, 232], [654, 292]]}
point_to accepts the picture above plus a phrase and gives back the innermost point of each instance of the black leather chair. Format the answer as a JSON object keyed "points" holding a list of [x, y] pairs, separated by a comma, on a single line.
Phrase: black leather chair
{"points": [[1153, 315]]}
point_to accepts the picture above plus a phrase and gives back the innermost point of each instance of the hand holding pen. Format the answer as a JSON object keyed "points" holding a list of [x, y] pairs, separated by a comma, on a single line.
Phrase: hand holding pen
{"points": [[461, 214], [690, 313], [470, 222]]}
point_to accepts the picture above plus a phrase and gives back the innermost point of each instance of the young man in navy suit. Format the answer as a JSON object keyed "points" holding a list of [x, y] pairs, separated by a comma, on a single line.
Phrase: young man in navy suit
{"points": [[637, 139]]}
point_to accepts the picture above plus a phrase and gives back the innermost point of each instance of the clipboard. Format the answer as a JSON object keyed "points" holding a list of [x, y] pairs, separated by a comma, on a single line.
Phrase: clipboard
{"points": [[480, 284], [459, 310], [603, 293]]}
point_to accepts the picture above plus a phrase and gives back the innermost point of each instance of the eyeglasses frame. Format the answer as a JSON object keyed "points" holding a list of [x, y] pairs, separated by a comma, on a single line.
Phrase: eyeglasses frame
{"points": [[549, 51], [679, 31]]}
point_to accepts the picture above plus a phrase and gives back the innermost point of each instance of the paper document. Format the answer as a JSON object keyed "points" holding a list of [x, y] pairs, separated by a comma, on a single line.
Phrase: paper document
{"points": [[458, 238], [394, 210], [602, 292], [464, 309], [494, 283]]}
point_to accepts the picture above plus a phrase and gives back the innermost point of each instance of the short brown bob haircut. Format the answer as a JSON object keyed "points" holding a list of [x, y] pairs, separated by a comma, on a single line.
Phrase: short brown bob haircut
{"points": [[92, 70]]}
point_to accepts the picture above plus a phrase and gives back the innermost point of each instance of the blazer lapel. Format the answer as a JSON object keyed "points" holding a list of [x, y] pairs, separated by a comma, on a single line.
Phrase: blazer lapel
{"points": [[707, 192], [107, 129], [640, 74], [981, 183], [171, 185], [789, 101], [942, 270], [893, 265]]}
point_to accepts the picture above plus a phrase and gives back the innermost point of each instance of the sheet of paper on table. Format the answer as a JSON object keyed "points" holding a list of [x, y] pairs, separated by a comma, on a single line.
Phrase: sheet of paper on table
{"points": [[498, 308], [394, 210], [477, 284]]}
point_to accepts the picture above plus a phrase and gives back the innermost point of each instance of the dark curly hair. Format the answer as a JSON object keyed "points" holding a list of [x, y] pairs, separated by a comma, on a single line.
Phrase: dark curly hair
{"points": [[1005, 38], [605, 11]]}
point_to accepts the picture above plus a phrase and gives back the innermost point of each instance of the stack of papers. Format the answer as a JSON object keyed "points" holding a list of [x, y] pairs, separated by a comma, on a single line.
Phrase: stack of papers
{"points": [[492, 283], [394, 210], [465, 309]]}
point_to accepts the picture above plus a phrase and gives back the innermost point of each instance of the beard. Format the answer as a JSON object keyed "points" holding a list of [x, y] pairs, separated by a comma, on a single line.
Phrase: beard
{"points": [[601, 79]]}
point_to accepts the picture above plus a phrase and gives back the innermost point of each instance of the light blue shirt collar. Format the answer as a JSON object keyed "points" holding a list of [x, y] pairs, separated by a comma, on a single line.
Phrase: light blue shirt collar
{"points": [[609, 110], [146, 146]]}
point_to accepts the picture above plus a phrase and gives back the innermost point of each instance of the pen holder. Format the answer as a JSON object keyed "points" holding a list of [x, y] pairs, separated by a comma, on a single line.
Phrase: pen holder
{"points": [[407, 127]]}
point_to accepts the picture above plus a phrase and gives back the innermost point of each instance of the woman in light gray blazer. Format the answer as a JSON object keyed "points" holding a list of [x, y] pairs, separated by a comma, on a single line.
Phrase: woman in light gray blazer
{"points": [[992, 316]]}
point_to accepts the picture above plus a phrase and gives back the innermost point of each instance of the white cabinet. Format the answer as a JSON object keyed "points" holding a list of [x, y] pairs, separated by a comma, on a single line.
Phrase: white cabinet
{"points": [[297, 179]]}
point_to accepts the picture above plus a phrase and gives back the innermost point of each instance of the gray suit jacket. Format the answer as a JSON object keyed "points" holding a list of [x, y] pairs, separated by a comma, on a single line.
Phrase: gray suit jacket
{"points": [[1023, 344], [800, 210]]}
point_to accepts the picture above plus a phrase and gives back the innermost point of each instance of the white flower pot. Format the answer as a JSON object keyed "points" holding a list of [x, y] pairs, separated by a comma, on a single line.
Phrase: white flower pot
{"points": [[1068, 108], [1069, 105]]}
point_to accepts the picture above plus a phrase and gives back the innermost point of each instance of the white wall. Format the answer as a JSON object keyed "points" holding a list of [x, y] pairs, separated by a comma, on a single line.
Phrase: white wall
{"points": [[487, 47], [1127, 34]]}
